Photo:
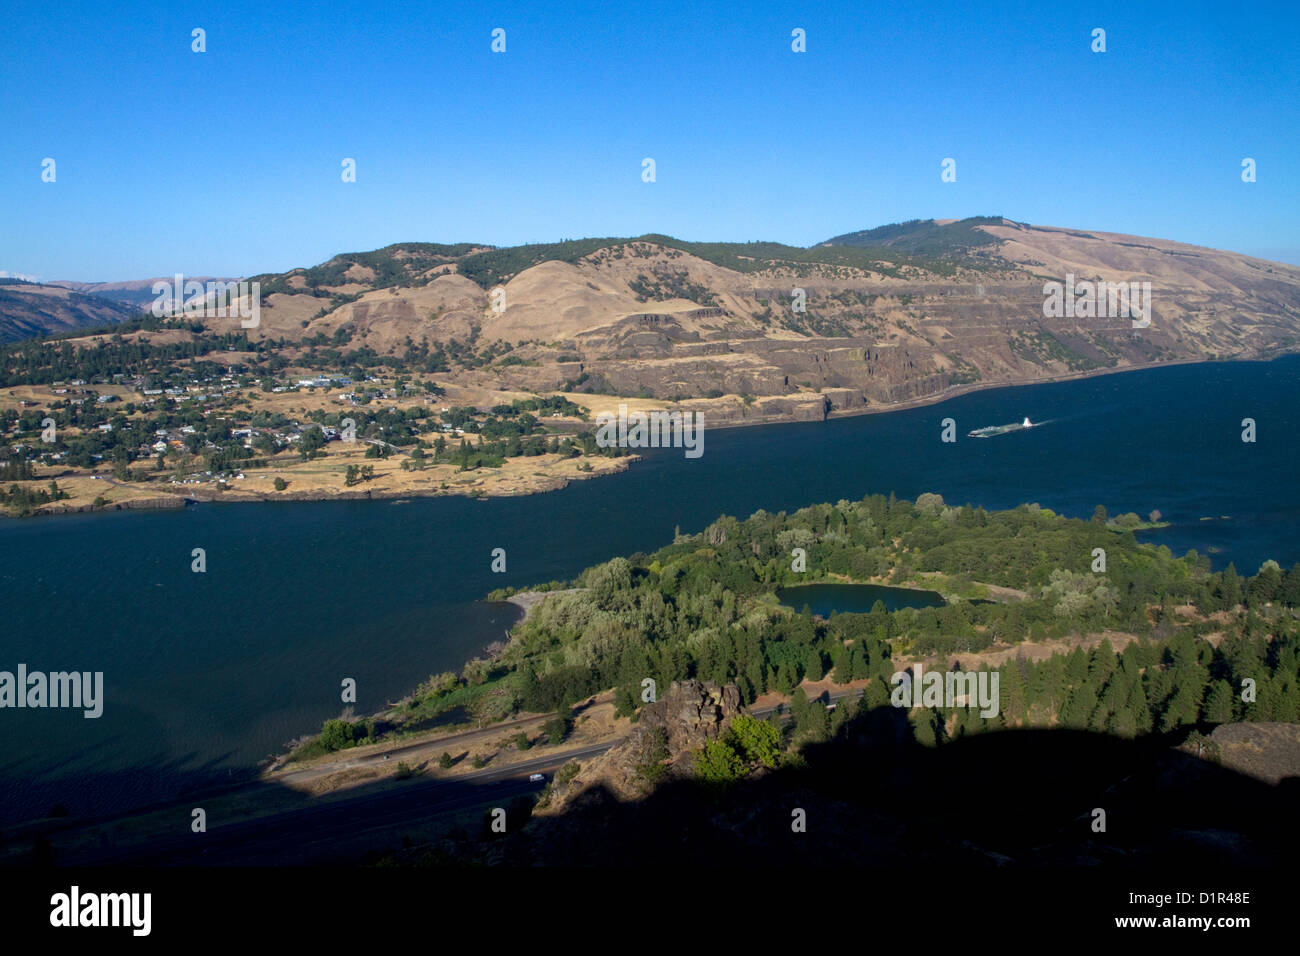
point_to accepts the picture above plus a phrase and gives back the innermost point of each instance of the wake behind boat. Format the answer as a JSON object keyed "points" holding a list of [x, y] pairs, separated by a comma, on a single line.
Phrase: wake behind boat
{"points": [[992, 430]]}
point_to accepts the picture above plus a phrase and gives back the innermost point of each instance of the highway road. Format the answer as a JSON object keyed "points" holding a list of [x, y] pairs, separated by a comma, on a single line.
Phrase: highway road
{"points": [[340, 825]]}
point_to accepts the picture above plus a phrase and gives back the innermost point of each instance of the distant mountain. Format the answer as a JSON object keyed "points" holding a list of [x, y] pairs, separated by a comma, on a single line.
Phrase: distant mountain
{"points": [[30, 309], [137, 292], [927, 237]]}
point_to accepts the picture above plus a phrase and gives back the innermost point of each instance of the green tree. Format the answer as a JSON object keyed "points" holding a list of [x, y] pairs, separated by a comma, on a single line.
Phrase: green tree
{"points": [[814, 665], [799, 707], [1230, 588], [337, 735], [877, 693], [756, 740], [311, 442], [719, 763], [624, 701], [556, 729], [1265, 585], [1289, 591], [1011, 695], [1219, 703], [925, 727]]}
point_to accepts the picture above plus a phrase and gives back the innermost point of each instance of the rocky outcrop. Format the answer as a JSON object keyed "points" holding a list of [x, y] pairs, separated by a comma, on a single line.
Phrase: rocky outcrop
{"points": [[660, 745], [691, 714]]}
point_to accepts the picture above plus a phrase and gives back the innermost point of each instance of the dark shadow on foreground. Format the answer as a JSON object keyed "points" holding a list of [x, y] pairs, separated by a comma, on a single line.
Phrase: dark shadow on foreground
{"points": [[870, 797], [873, 796]]}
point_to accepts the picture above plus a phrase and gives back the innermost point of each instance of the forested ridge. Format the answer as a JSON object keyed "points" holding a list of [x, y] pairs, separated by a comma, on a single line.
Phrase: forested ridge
{"points": [[705, 607]]}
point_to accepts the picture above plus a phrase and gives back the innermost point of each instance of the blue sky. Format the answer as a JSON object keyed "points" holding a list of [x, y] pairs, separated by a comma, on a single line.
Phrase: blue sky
{"points": [[228, 162]]}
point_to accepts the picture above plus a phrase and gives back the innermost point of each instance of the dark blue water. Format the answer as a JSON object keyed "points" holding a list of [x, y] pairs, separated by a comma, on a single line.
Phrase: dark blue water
{"points": [[826, 599], [208, 673]]}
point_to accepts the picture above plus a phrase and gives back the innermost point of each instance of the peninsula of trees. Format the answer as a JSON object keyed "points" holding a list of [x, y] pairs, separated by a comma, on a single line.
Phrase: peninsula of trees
{"points": [[705, 607]]}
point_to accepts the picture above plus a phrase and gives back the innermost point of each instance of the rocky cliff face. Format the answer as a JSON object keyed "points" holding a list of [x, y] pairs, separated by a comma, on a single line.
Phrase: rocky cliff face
{"points": [[683, 720], [691, 714]]}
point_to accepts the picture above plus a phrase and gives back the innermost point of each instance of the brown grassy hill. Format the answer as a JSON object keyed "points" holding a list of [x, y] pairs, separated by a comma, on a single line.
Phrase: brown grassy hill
{"points": [[900, 313]]}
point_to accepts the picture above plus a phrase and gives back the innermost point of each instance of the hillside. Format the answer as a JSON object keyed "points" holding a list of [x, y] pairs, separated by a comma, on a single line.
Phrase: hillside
{"points": [[900, 313], [892, 314], [30, 309]]}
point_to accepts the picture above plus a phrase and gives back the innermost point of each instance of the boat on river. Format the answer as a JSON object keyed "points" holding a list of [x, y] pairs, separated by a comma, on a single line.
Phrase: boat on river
{"points": [[992, 430]]}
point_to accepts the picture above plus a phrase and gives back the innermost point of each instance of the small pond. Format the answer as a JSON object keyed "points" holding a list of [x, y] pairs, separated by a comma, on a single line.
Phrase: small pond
{"points": [[855, 598]]}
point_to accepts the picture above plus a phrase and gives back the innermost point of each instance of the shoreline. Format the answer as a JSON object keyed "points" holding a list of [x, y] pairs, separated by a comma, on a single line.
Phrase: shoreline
{"points": [[164, 500], [957, 391], [525, 601], [161, 500]]}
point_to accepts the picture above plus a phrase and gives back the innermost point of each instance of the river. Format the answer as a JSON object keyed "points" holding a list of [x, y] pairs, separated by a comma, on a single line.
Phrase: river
{"points": [[207, 673]]}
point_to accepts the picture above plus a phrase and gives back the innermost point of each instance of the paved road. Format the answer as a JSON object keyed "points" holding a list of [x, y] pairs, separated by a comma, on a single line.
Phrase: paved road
{"points": [[430, 746], [302, 834]]}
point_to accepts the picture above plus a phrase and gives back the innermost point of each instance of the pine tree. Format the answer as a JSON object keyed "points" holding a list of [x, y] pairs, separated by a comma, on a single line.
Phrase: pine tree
{"points": [[1219, 703], [1183, 707], [1076, 667], [1230, 588], [877, 693], [786, 679], [818, 721], [1079, 707], [839, 717], [1288, 592], [1051, 688], [624, 701], [1286, 701], [860, 660], [1139, 709], [923, 727], [1261, 709], [1102, 663], [842, 663], [813, 668], [1264, 586], [746, 689], [1011, 691], [1123, 723], [1100, 719], [799, 707]]}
